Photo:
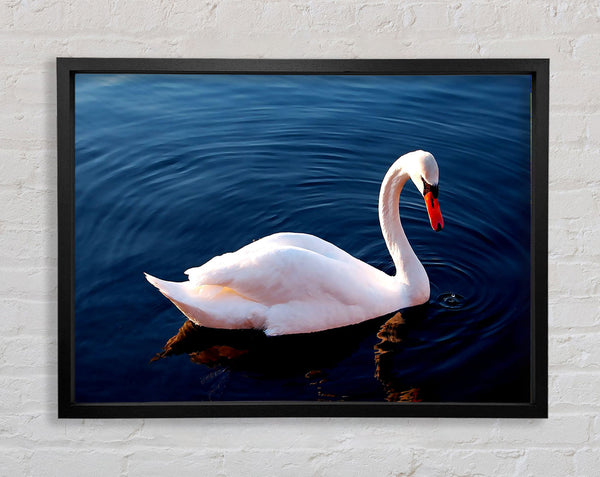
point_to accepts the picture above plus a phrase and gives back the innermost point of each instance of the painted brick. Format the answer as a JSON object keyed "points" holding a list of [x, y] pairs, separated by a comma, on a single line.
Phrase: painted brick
{"points": [[87, 15], [587, 461], [22, 395], [556, 17], [26, 354], [22, 124], [31, 50], [557, 48], [188, 462], [575, 388], [472, 16], [379, 18], [97, 46], [27, 283], [138, 16], [104, 431], [575, 350], [27, 208], [593, 128], [15, 462], [595, 431], [574, 312], [548, 462], [407, 46], [565, 277], [333, 16], [35, 87], [585, 48], [65, 463], [568, 127], [585, 95], [301, 462], [574, 431], [432, 16], [24, 246], [27, 317], [574, 165], [563, 241], [44, 15], [467, 462], [583, 203]]}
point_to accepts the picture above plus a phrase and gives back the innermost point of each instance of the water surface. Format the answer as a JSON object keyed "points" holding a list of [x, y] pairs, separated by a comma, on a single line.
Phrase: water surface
{"points": [[172, 170]]}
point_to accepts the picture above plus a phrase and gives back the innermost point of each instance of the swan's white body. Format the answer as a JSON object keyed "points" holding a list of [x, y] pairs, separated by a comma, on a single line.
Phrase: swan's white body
{"points": [[297, 283]]}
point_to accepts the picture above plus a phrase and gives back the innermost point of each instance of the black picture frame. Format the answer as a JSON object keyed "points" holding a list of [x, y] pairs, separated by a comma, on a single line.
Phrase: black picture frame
{"points": [[67, 68]]}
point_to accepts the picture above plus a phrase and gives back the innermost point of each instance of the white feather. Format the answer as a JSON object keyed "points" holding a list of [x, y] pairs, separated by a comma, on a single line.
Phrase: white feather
{"points": [[297, 283]]}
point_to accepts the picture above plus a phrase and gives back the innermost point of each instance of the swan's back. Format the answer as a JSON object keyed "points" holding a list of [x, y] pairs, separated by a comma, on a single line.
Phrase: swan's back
{"points": [[284, 283]]}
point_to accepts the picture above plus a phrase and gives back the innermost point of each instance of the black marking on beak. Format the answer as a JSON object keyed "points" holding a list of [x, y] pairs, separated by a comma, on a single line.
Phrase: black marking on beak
{"points": [[427, 187], [439, 227]]}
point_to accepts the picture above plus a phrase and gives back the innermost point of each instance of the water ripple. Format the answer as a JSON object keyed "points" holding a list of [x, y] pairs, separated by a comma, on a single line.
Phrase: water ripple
{"points": [[213, 163]]}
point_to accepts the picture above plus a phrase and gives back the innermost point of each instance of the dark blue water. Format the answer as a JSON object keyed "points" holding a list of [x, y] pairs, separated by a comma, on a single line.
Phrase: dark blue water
{"points": [[172, 170]]}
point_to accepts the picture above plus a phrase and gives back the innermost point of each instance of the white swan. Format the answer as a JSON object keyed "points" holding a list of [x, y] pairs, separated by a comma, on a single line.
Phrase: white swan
{"points": [[297, 283]]}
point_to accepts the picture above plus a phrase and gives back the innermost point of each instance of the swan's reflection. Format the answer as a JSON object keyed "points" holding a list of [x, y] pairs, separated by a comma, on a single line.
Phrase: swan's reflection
{"points": [[312, 356], [209, 346], [391, 336], [307, 353]]}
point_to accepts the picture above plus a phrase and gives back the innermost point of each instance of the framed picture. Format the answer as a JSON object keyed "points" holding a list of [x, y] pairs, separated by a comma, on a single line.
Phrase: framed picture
{"points": [[302, 237]]}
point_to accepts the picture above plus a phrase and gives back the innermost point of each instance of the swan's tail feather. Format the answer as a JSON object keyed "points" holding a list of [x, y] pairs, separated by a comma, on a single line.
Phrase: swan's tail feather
{"points": [[179, 294], [211, 305], [172, 290]]}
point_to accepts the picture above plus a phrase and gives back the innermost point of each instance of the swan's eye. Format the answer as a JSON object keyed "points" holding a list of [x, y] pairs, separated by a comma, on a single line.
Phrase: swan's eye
{"points": [[427, 187]]}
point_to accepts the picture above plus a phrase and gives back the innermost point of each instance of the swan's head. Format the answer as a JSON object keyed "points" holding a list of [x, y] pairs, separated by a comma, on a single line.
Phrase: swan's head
{"points": [[423, 171]]}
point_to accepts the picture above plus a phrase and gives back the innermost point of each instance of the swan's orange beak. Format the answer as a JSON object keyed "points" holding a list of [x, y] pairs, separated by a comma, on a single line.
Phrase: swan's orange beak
{"points": [[435, 214]]}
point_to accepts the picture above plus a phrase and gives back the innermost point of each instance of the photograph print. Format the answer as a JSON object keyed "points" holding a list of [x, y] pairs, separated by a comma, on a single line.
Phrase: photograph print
{"points": [[302, 238]]}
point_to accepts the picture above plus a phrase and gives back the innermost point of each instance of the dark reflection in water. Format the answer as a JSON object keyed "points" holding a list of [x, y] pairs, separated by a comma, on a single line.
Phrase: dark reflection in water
{"points": [[390, 335], [309, 357], [313, 357]]}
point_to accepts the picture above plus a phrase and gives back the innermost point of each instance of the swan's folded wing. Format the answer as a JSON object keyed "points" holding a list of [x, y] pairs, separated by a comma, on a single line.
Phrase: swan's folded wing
{"points": [[300, 240], [281, 275]]}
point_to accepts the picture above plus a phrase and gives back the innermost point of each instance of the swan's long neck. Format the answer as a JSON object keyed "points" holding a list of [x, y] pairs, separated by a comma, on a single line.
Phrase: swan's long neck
{"points": [[408, 267]]}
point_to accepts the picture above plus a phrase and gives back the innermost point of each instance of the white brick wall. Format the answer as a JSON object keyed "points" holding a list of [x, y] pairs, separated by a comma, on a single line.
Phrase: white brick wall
{"points": [[34, 32]]}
